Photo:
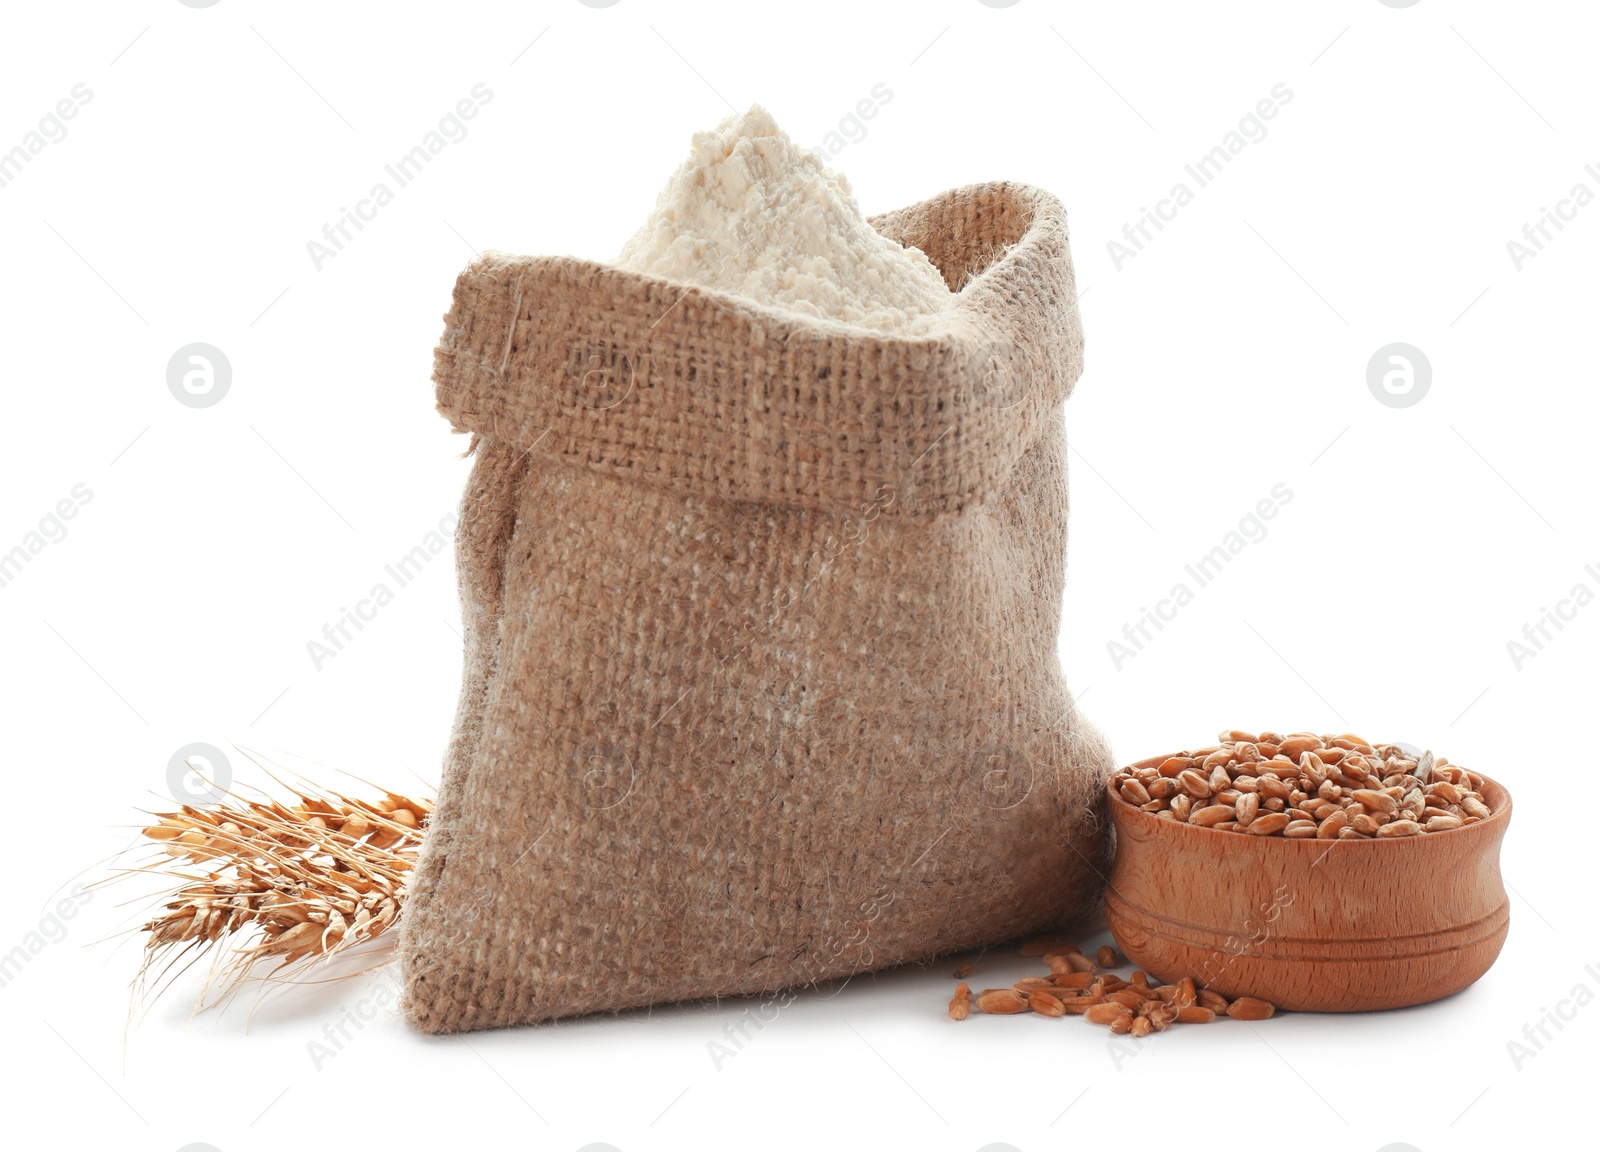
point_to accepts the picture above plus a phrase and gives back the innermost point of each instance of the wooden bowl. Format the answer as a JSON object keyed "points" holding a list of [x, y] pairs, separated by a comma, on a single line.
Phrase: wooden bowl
{"points": [[1311, 925]]}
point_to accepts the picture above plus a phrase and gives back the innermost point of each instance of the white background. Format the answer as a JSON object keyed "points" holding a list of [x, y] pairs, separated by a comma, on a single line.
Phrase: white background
{"points": [[1228, 356]]}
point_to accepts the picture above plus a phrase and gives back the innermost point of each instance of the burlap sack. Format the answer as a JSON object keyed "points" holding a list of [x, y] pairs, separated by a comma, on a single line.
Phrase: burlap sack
{"points": [[761, 616]]}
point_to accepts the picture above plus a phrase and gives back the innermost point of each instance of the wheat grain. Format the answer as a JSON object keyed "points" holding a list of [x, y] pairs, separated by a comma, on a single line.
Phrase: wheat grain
{"points": [[1133, 1005], [1304, 786]]}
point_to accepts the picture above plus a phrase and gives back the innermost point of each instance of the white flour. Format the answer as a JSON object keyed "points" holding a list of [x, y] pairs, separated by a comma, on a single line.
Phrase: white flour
{"points": [[752, 213]]}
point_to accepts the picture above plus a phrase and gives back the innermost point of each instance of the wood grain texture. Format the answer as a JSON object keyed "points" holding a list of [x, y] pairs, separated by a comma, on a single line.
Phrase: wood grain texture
{"points": [[1311, 925]]}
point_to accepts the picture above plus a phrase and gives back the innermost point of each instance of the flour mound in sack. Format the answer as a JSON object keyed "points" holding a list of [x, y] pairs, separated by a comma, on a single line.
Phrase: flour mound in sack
{"points": [[752, 213]]}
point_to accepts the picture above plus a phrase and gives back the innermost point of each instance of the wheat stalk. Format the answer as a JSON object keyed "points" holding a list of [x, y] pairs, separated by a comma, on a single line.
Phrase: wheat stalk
{"points": [[293, 885]]}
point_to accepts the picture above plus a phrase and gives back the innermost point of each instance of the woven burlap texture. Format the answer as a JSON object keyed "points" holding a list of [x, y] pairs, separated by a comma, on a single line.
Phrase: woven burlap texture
{"points": [[761, 613]]}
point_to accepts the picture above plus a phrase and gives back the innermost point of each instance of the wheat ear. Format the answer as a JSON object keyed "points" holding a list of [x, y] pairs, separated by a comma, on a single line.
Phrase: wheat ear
{"points": [[289, 885]]}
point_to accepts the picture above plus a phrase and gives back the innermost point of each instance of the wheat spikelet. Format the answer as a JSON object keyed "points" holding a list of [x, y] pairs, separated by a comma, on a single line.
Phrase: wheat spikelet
{"points": [[291, 885]]}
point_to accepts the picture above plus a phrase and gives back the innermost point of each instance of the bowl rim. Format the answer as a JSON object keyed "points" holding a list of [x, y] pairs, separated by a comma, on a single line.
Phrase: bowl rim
{"points": [[1496, 794]]}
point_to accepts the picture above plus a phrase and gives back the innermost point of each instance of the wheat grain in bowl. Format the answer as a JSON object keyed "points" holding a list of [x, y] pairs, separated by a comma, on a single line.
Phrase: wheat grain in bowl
{"points": [[1305, 786]]}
